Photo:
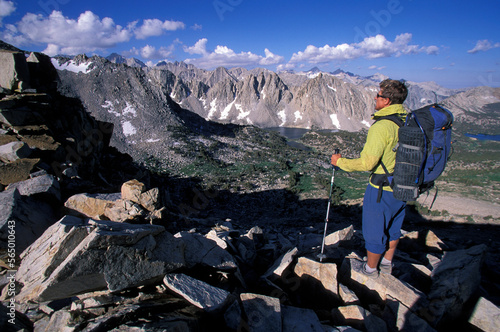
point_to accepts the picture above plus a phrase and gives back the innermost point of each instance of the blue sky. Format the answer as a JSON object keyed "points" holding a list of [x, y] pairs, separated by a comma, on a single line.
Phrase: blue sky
{"points": [[453, 43]]}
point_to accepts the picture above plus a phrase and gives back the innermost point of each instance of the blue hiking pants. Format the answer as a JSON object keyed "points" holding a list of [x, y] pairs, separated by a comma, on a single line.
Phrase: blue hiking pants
{"points": [[381, 221]]}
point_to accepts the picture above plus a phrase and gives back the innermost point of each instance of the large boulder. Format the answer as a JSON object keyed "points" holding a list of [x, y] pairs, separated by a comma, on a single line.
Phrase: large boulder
{"points": [[76, 256], [14, 72], [323, 274], [13, 151], [43, 186], [133, 204], [377, 290], [27, 217], [454, 281], [90, 205], [197, 292], [205, 252], [486, 316]]}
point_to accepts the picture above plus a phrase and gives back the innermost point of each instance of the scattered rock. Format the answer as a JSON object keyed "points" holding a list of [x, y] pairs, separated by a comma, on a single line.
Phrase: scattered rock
{"points": [[486, 316], [454, 281], [262, 313], [300, 319], [200, 250], [90, 205], [14, 72], [25, 217], [199, 293], [14, 151], [323, 273], [75, 256]]}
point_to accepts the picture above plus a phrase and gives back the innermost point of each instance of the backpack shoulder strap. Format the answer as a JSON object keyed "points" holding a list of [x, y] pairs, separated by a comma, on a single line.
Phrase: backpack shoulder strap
{"points": [[392, 117], [399, 122]]}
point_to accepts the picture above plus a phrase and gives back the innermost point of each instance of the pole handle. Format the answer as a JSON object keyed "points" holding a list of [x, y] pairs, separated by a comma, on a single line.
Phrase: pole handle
{"points": [[336, 151]]}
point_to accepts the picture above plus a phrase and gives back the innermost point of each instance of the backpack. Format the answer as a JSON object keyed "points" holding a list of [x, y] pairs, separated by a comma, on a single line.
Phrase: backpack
{"points": [[423, 149]]}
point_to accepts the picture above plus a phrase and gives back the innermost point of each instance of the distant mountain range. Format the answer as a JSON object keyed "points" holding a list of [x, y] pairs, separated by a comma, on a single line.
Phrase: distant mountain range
{"points": [[260, 97], [143, 101]]}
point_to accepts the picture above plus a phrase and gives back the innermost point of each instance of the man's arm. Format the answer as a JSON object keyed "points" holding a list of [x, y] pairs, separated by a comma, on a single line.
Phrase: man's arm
{"points": [[369, 156]]}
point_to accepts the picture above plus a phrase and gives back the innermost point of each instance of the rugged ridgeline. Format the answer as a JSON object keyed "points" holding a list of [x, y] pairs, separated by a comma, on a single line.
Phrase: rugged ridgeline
{"points": [[146, 104], [263, 98], [102, 244], [477, 107]]}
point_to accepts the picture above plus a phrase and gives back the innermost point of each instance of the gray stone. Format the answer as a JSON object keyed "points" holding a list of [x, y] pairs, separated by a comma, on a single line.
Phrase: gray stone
{"points": [[150, 199], [76, 256], [486, 316], [358, 317], [124, 211], [232, 316], [263, 313], [281, 264], [335, 239], [246, 249], [200, 250], [90, 205], [454, 281], [13, 70], [347, 295], [197, 292], [324, 273], [27, 216], [307, 242], [60, 321], [300, 319], [383, 285], [43, 75], [212, 235], [397, 314], [13, 151], [43, 185], [132, 191]]}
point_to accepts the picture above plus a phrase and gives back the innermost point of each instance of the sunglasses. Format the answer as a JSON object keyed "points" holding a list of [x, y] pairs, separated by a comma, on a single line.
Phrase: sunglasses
{"points": [[380, 96]]}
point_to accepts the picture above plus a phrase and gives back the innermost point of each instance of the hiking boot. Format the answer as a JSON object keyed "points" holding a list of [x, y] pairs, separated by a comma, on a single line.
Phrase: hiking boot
{"points": [[362, 270], [386, 268]]}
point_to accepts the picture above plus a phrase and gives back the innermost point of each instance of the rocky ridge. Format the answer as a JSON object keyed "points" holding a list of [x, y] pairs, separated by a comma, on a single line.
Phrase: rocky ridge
{"points": [[107, 259], [263, 98]]}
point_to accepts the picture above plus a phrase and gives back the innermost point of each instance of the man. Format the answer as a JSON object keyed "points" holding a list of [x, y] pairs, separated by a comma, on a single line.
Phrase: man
{"points": [[382, 214]]}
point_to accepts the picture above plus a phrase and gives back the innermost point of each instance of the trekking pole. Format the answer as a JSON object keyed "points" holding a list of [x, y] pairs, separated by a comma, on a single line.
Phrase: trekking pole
{"points": [[321, 256]]}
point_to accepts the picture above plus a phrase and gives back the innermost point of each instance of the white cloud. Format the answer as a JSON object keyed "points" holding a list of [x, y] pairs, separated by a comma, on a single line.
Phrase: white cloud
{"points": [[150, 52], [223, 56], [433, 50], [87, 33], [370, 48], [155, 27], [199, 48], [196, 27], [483, 45], [6, 8]]}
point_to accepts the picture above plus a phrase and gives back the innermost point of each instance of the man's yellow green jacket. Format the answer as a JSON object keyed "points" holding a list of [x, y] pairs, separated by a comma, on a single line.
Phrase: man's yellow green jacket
{"points": [[380, 142]]}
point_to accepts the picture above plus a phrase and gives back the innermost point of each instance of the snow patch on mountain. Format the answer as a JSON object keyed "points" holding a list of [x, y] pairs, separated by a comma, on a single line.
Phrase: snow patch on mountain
{"points": [[72, 66], [298, 116], [213, 109], [282, 116], [129, 109], [111, 108], [242, 114], [335, 120], [128, 128], [225, 113]]}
